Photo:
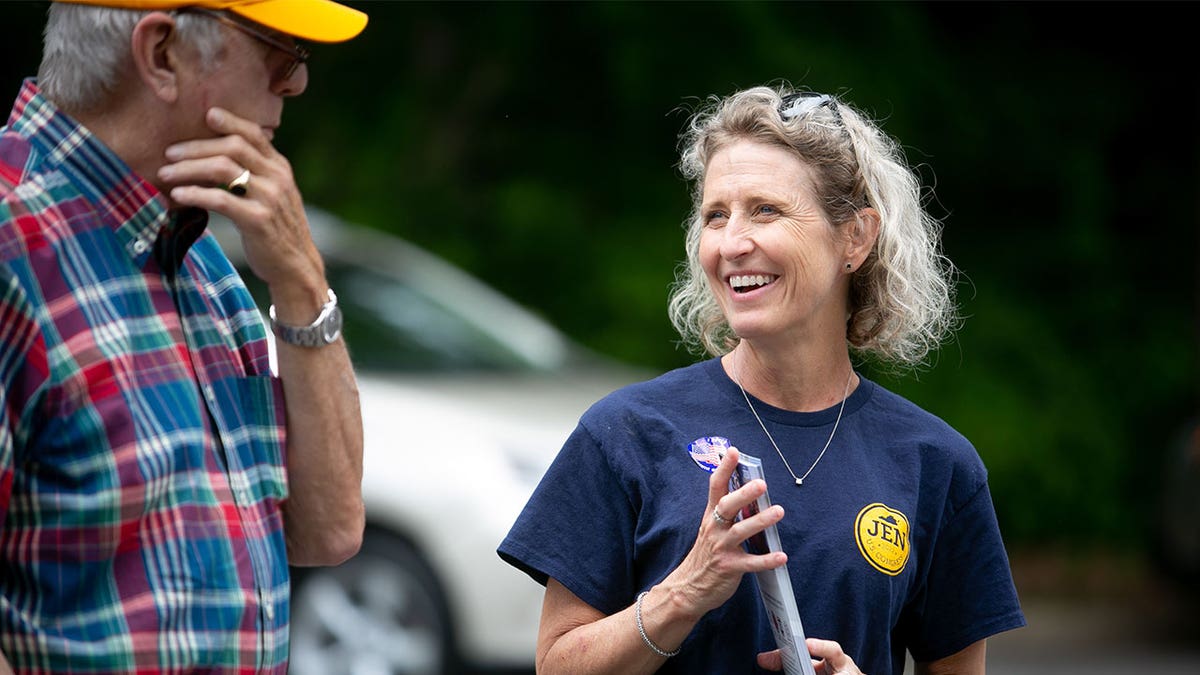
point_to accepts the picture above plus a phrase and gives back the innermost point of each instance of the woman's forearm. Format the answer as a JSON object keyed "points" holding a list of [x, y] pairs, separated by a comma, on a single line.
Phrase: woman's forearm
{"points": [[571, 643]]}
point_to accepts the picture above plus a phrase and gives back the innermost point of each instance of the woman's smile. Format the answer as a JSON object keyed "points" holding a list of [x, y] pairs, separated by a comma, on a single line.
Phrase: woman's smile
{"points": [[744, 283]]}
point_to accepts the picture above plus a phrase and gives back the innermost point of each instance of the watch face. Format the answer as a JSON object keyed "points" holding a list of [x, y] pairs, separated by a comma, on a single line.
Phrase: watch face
{"points": [[331, 329]]}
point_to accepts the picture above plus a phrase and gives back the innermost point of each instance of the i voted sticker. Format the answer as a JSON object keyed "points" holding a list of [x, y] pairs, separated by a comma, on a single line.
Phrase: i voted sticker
{"points": [[707, 451]]}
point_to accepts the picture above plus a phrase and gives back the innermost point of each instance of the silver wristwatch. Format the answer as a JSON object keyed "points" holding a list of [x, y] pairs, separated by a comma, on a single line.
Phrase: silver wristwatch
{"points": [[325, 330]]}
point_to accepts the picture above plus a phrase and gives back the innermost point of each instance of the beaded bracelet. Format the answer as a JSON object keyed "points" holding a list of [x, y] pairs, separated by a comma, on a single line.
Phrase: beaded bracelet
{"points": [[637, 613]]}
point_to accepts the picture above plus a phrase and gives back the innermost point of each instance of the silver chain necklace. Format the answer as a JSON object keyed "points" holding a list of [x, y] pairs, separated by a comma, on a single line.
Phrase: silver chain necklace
{"points": [[799, 479]]}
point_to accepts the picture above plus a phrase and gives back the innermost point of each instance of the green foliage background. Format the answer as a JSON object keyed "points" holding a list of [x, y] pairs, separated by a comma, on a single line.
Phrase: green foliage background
{"points": [[534, 144]]}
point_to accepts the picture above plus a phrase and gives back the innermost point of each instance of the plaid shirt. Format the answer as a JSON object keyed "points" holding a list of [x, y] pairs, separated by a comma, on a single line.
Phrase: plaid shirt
{"points": [[141, 448]]}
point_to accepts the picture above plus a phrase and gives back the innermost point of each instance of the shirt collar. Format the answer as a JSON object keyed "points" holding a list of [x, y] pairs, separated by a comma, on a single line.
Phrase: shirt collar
{"points": [[134, 209]]}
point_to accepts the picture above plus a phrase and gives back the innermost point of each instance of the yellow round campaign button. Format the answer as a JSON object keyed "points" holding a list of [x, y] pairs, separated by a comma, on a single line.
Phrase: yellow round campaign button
{"points": [[883, 538]]}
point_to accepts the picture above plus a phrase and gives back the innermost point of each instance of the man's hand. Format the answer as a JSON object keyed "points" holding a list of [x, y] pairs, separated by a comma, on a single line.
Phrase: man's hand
{"points": [[269, 216]]}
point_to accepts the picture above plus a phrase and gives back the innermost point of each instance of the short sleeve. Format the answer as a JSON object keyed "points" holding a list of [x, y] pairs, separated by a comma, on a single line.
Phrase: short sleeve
{"points": [[969, 593], [578, 527]]}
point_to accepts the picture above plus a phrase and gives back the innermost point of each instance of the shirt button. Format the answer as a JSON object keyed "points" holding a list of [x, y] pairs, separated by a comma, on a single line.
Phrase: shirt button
{"points": [[140, 246], [270, 608]]}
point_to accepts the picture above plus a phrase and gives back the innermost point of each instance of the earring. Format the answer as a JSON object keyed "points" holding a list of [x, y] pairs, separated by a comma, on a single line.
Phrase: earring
{"points": [[849, 266]]}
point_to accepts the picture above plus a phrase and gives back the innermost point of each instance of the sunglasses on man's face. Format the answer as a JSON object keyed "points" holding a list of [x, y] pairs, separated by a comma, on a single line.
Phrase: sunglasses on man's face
{"points": [[298, 53]]}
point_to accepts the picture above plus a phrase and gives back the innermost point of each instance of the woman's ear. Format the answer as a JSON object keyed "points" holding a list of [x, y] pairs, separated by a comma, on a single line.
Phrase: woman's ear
{"points": [[862, 233], [155, 53]]}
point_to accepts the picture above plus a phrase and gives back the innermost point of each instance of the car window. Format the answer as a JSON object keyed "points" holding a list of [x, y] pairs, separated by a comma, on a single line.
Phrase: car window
{"points": [[391, 326], [407, 310]]}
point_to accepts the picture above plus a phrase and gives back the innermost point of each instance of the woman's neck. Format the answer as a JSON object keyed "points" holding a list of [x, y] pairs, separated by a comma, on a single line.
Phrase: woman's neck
{"points": [[801, 382]]}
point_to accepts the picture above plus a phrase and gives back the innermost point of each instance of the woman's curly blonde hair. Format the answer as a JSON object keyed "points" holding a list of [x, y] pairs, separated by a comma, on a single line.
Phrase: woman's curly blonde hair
{"points": [[901, 304]]}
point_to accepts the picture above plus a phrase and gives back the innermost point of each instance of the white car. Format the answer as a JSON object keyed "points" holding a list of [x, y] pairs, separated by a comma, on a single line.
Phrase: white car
{"points": [[466, 397]]}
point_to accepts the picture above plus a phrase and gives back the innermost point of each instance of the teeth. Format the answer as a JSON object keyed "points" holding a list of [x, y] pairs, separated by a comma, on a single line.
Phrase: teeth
{"points": [[751, 280]]}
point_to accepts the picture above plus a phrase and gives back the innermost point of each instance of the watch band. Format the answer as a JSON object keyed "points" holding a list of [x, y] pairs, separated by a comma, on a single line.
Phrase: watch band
{"points": [[325, 330]]}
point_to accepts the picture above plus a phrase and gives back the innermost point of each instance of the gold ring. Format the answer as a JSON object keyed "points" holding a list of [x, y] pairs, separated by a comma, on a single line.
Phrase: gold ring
{"points": [[237, 186]]}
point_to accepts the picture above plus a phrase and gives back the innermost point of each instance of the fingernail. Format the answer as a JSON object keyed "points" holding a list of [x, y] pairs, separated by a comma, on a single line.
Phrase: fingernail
{"points": [[216, 115]]}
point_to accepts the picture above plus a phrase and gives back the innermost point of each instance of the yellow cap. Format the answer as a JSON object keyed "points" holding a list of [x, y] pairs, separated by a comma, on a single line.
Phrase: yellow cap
{"points": [[314, 20]]}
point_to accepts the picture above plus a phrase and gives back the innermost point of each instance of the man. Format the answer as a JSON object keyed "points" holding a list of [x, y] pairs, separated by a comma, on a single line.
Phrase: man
{"points": [[149, 502]]}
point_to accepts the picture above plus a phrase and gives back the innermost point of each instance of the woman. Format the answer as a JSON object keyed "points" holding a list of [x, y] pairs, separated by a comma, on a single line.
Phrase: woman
{"points": [[807, 241]]}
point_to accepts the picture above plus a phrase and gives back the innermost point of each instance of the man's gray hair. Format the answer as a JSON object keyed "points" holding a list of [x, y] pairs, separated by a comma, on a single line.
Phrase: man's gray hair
{"points": [[87, 50]]}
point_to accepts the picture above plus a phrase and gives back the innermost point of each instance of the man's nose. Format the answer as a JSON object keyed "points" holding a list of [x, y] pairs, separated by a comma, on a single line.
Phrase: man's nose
{"points": [[294, 84]]}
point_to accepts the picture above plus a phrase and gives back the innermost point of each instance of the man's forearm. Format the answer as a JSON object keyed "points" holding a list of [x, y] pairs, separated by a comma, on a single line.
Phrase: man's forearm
{"points": [[323, 515]]}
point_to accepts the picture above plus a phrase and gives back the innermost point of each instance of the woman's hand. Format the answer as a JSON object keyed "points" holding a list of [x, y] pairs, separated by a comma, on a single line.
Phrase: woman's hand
{"points": [[828, 659], [577, 638], [713, 569]]}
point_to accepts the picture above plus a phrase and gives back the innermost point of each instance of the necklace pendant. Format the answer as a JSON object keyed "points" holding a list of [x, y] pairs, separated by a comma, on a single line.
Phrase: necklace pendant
{"points": [[841, 409]]}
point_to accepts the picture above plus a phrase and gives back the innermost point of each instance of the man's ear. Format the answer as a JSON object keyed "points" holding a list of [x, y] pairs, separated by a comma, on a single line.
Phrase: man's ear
{"points": [[156, 58], [862, 233]]}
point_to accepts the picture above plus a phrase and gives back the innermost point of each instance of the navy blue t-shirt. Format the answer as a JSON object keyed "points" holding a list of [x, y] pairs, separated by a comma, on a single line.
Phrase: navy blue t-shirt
{"points": [[892, 541]]}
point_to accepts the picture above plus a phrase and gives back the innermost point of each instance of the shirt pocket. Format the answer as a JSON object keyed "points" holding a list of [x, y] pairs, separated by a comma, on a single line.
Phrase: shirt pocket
{"points": [[250, 412]]}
